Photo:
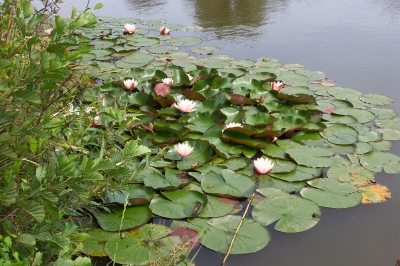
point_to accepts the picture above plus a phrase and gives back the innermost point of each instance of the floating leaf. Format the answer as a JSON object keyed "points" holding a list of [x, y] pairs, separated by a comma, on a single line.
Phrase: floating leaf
{"points": [[216, 207], [332, 193], [120, 219], [228, 184], [340, 134], [251, 237], [375, 161], [311, 156], [376, 99], [178, 204], [294, 214], [206, 50], [363, 116], [374, 193], [300, 173], [94, 245], [351, 173], [141, 246], [185, 41], [135, 194]]}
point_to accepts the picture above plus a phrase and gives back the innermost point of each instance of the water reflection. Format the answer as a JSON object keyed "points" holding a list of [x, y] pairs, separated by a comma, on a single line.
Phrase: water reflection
{"points": [[230, 18]]}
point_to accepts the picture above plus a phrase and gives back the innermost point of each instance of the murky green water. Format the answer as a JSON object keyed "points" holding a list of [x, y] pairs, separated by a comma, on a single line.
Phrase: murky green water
{"points": [[356, 43]]}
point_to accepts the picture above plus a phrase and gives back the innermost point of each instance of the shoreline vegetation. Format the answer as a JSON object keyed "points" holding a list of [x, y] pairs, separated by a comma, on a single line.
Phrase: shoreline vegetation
{"points": [[110, 132]]}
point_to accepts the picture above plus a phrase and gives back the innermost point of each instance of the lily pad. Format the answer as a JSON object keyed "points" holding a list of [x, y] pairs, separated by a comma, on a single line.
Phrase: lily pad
{"points": [[142, 245], [94, 244], [293, 213], [340, 134], [185, 41], [374, 193], [178, 204], [216, 208], [331, 193], [228, 184], [120, 219], [311, 156], [351, 173], [251, 237], [376, 161]]}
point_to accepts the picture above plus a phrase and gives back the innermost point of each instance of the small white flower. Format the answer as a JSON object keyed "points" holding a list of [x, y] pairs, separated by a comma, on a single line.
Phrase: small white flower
{"points": [[130, 84], [168, 81], [130, 28], [263, 165], [48, 31], [183, 149], [233, 125], [164, 30], [190, 77], [185, 106]]}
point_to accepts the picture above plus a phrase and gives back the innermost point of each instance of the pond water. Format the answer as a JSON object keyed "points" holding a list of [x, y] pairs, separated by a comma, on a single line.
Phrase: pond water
{"points": [[357, 44]]}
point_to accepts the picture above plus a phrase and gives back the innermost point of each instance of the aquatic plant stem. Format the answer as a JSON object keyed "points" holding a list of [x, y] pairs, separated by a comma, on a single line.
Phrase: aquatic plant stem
{"points": [[241, 222]]}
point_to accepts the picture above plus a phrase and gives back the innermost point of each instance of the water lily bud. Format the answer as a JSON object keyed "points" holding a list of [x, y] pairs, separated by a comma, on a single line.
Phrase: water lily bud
{"points": [[164, 30]]}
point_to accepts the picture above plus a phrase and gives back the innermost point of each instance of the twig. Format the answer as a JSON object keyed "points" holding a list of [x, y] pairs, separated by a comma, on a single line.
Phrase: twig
{"points": [[10, 19], [241, 222]]}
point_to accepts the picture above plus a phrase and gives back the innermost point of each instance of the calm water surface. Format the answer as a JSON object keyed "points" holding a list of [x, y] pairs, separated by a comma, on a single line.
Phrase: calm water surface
{"points": [[356, 43]]}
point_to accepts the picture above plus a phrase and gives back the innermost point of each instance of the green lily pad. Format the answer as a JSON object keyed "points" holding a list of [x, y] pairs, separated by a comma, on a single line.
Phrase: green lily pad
{"points": [[293, 213], [131, 217], [300, 173], [340, 134], [331, 193], [251, 237], [376, 161], [94, 244], [178, 204], [351, 173], [376, 99], [363, 116], [228, 184], [205, 50], [382, 145], [216, 208], [135, 194], [311, 156], [142, 245], [393, 123], [389, 134], [185, 41]]}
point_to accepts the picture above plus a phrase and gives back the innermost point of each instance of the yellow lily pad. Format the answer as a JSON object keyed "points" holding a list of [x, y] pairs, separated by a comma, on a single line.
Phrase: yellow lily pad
{"points": [[374, 194]]}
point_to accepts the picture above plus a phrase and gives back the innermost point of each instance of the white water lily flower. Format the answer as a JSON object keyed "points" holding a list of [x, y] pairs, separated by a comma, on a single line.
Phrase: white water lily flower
{"points": [[233, 125], [168, 81], [185, 106], [48, 31], [263, 165], [164, 30], [183, 149], [130, 28], [130, 84]]}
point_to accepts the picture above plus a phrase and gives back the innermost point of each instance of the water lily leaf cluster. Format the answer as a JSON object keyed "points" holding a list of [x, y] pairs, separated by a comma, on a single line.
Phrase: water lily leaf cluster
{"points": [[236, 116]]}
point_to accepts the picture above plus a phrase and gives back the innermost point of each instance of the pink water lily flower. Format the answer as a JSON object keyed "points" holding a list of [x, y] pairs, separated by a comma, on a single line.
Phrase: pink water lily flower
{"points": [[162, 89], [129, 28], [130, 84], [277, 86], [263, 165], [95, 120], [185, 106], [183, 149], [233, 125], [164, 30], [168, 81]]}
